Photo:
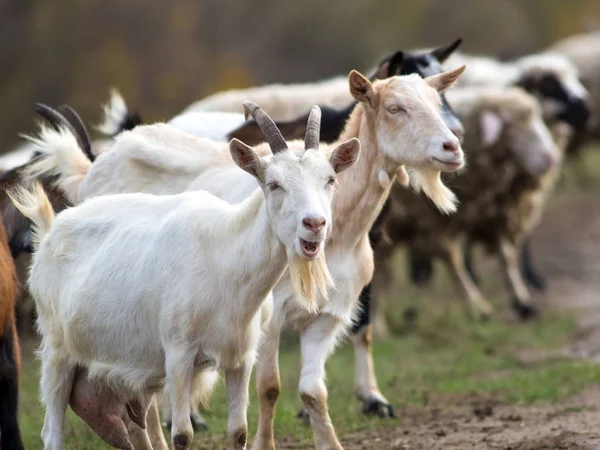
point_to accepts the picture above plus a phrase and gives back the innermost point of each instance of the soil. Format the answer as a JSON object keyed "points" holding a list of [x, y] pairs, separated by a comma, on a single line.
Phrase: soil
{"points": [[566, 248]]}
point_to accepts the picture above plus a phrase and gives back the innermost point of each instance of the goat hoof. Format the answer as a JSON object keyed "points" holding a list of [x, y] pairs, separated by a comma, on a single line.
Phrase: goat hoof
{"points": [[198, 423], [180, 442], [376, 406], [480, 315], [524, 311], [304, 416], [536, 282]]}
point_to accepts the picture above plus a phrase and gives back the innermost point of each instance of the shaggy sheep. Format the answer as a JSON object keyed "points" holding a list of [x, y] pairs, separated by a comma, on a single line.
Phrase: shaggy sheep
{"points": [[512, 161]]}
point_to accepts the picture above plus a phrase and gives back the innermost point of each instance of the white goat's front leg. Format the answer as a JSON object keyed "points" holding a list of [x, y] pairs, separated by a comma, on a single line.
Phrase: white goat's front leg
{"points": [[268, 387], [521, 299], [318, 340], [179, 366], [238, 381], [477, 304], [56, 384]]}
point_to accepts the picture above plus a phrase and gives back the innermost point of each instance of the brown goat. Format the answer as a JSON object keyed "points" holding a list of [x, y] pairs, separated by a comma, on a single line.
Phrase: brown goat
{"points": [[10, 354]]}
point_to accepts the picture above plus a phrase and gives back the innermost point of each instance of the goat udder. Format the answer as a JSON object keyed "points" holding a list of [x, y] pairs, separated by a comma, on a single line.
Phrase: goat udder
{"points": [[102, 410]]}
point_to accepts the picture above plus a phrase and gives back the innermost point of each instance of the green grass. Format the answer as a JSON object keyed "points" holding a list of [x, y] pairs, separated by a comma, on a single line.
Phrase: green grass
{"points": [[442, 359], [445, 357]]}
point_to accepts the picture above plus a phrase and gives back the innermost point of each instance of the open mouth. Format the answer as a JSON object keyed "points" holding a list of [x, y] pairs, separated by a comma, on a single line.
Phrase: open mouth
{"points": [[451, 164], [309, 249]]}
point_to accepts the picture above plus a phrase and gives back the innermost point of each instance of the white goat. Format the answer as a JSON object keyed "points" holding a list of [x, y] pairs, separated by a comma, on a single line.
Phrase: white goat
{"points": [[188, 275], [397, 121]]}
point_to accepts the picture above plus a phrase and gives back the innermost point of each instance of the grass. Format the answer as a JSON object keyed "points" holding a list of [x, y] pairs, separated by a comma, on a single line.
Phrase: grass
{"points": [[442, 358], [446, 356]]}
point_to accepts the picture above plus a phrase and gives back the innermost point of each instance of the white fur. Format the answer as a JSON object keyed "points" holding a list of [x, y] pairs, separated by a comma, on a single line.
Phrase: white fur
{"points": [[212, 125], [17, 157], [282, 101], [114, 112], [140, 289]]}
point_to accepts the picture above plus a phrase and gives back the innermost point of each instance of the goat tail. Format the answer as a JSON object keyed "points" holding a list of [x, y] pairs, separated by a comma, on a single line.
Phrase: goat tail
{"points": [[59, 155], [117, 117], [35, 205]]}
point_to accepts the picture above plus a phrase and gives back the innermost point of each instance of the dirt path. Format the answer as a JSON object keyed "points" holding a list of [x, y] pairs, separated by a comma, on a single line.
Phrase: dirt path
{"points": [[567, 249]]}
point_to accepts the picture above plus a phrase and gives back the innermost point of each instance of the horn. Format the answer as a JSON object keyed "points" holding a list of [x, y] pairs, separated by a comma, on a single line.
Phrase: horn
{"points": [[82, 135], [267, 126], [55, 118], [442, 53], [313, 128]]}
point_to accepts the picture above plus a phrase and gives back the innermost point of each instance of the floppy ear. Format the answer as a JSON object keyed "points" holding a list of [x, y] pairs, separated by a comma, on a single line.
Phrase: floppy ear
{"points": [[361, 88], [444, 80], [491, 125], [442, 53], [247, 159], [345, 155]]}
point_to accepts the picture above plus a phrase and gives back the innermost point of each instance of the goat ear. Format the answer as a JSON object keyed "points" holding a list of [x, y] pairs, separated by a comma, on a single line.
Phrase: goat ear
{"points": [[345, 155], [444, 80], [491, 125], [246, 158], [361, 88], [442, 53]]}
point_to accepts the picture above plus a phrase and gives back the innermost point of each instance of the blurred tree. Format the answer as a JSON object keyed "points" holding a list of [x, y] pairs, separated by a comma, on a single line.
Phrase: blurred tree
{"points": [[164, 55]]}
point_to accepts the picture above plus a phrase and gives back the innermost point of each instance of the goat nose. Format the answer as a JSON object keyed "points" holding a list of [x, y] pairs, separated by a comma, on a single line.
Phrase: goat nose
{"points": [[314, 224], [451, 147]]}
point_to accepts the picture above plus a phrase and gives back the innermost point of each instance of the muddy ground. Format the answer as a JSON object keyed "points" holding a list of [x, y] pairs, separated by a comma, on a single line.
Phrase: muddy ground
{"points": [[567, 249]]}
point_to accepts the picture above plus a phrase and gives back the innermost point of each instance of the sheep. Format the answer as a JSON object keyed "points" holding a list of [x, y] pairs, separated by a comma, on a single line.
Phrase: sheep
{"points": [[191, 242], [583, 50], [512, 158], [553, 80], [286, 102], [10, 353], [551, 77], [397, 121]]}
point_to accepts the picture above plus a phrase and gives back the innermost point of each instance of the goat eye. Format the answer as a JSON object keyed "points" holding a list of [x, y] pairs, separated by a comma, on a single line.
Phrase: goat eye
{"points": [[395, 109], [273, 186]]}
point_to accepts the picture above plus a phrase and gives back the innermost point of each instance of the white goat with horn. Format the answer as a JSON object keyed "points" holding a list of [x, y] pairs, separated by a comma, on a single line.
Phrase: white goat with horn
{"points": [[139, 290]]}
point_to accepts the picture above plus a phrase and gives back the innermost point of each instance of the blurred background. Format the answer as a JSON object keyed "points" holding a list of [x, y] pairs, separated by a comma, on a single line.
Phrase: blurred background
{"points": [[162, 55]]}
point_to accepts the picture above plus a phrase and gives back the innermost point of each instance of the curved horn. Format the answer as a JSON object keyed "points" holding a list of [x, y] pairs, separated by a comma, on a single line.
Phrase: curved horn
{"points": [[442, 53], [82, 135], [55, 118], [267, 126], [313, 128]]}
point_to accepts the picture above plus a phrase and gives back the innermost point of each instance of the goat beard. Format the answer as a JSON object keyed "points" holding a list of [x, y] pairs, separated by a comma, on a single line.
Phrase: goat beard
{"points": [[310, 279], [430, 182]]}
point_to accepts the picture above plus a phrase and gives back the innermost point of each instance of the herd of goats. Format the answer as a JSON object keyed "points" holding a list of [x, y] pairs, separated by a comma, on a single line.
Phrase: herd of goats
{"points": [[155, 261]]}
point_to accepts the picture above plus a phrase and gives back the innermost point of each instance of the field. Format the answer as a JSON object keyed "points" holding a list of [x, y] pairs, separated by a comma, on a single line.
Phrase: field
{"points": [[455, 383]]}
